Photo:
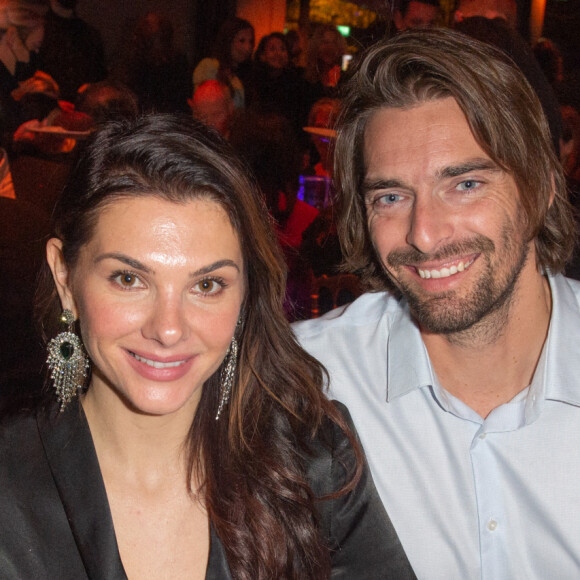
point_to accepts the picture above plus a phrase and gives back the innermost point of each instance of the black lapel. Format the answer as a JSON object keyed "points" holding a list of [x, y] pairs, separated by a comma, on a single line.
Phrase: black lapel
{"points": [[217, 566], [75, 468]]}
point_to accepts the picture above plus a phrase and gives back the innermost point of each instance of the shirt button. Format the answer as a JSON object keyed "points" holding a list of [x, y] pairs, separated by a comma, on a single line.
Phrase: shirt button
{"points": [[483, 436], [492, 525]]}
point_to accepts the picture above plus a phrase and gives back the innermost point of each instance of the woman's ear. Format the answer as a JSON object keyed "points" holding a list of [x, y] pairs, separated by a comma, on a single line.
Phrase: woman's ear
{"points": [[60, 274]]}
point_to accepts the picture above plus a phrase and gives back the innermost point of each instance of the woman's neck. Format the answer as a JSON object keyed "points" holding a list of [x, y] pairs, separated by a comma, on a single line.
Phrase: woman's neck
{"points": [[148, 449]]}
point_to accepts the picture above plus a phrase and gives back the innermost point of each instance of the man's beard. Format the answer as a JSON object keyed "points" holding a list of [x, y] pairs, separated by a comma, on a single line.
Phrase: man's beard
{"points": [[446, 312]]}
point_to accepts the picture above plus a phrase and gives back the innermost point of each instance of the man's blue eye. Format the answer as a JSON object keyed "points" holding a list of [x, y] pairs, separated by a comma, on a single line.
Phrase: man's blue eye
{"points": [[468, 184], [389, 199]]}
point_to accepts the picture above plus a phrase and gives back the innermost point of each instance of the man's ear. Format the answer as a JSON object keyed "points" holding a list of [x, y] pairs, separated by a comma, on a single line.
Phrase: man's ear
{"points": [[60, 274]]}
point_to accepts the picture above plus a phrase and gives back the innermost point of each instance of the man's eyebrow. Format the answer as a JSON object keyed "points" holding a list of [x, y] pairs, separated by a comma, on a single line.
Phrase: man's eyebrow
{"points": [[135, 264], [369, 186], [468, 166]]}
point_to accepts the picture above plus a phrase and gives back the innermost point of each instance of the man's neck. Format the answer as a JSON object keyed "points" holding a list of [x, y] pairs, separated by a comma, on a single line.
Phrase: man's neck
{"points": [[489, 365]]}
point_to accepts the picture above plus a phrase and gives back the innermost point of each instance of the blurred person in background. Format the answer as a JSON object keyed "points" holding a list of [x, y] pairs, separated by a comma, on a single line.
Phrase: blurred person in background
{"points": [[324, 54], [21, 36], [230, 60], [72, 52], [212, 104], [274, 87], [416, 14], [153, 68], [268, 145]]}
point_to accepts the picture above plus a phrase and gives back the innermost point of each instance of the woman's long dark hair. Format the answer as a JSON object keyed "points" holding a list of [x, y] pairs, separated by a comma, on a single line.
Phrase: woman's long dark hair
{"points": [[251, 461], [222, 48]]}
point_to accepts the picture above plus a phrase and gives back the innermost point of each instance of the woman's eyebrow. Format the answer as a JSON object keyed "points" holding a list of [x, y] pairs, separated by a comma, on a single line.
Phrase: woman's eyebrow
{"points": [[216, 265], [135, 264]]}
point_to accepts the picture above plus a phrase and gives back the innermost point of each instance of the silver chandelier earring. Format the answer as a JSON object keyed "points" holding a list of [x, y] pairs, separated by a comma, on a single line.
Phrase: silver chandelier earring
{"points": [[67, 361], [227, 376]]}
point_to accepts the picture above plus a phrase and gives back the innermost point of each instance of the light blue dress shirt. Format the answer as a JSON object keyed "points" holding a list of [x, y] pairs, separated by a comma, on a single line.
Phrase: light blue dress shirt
{"points": [[470, 498]]}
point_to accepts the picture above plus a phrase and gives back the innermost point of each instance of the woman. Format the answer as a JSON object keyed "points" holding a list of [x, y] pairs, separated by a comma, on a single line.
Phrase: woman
{"points": [[273, 86], [203, 441], [323, 59], [231, 58]]}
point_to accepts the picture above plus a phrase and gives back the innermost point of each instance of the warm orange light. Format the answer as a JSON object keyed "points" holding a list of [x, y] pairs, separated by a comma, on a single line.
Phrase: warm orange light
{"points": [[265, 15], [537, 12]]}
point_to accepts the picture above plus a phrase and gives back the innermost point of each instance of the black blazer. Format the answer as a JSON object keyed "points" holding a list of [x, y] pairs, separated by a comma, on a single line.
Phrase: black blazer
{"points": [[55, 520]]}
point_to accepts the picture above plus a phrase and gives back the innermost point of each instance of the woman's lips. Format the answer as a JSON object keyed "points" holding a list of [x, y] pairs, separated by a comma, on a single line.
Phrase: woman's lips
{"points": [[152, 368]]}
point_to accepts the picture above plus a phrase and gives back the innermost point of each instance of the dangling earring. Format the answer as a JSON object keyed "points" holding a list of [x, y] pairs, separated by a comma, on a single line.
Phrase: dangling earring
{"points": [[67, 361], [227, 375]]}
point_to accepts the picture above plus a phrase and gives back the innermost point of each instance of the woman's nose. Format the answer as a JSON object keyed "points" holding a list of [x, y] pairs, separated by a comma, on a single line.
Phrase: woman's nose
{"points": [[167, 322]]}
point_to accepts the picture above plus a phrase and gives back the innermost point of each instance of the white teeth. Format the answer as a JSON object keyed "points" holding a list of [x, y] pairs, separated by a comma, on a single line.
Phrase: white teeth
{"points": [[157, 364], [444, 272]]}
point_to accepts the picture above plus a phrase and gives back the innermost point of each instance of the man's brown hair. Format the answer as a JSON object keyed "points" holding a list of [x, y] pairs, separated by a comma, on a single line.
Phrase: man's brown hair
{"points": [[501, 109]]}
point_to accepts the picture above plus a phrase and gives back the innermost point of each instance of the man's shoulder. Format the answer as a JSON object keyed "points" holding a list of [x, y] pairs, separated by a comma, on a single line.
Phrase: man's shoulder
{"points": [[368, 310], [571, 282], [566, 292]]}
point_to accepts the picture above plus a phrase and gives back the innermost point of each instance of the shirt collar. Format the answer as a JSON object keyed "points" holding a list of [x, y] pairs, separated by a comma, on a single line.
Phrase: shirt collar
{"points": [[556, 376], [408, 365], [562, 364]]}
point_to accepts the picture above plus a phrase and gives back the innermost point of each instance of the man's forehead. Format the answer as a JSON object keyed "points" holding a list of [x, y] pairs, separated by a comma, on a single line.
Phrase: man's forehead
{"points": [[385, 114], [434, 133]]}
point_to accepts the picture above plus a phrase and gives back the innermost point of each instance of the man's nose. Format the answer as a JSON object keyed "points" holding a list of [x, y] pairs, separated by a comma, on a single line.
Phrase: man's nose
{"points": [[430, 224]]}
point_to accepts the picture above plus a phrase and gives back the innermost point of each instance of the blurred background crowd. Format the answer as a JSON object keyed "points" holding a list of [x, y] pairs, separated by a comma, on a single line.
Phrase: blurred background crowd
{"points": [[266, 75]]}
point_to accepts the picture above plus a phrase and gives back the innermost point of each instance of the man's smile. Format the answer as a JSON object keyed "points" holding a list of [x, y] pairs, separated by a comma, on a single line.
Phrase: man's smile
{"points": [[446, 271]]}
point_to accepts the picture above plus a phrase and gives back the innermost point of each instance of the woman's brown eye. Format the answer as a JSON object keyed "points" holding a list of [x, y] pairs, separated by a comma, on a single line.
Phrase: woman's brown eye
{"points": [[127, 279], [207, 285]]}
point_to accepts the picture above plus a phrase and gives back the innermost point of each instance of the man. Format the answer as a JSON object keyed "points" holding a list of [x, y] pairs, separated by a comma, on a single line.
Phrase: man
{"points": [[416, 14], [212, 103], [461, 373], [504, 9]]}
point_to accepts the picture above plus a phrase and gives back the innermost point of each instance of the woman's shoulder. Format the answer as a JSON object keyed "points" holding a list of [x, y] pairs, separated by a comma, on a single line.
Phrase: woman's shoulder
{"points": [[55, 521], [355, 524], [22, 458], [332, 459], [21, 447], [16, 425]]}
